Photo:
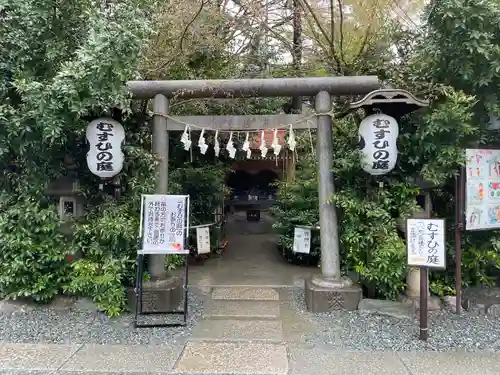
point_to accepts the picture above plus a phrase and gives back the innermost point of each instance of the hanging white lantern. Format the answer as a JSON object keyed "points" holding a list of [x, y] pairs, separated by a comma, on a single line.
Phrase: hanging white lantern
{"points": [[105, 157], [379, 134]]}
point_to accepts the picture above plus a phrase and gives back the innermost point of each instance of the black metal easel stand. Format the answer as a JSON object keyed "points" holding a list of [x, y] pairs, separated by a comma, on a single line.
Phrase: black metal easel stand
{"points": [[138, 299]]}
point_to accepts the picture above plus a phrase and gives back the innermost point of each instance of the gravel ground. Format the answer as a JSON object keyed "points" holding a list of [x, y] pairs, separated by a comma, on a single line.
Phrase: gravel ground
{"points": [[356, 331], [73, 326]]}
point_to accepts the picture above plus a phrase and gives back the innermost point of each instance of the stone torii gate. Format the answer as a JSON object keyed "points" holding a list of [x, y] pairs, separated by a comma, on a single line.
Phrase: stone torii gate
{"points": [[328, 290]]}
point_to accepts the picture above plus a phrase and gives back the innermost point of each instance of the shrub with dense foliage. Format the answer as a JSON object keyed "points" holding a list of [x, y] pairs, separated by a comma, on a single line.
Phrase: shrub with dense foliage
{"points": [[59, 68]]}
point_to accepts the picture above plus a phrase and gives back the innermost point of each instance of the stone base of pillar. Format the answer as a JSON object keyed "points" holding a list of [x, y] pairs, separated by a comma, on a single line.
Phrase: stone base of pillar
{"points": [[161, 295], [324, 295], [433, 303]]}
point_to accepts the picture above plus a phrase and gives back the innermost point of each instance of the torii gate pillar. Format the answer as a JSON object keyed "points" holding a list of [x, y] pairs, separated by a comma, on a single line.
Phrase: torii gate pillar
{"points": [[324, 292], [328, 290]]}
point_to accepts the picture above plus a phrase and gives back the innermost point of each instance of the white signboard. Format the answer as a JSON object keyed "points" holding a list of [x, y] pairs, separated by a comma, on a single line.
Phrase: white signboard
{"points": [[379, 134], [302, 241], [425, 241], [482, 197], [164, 224], [203, 240], [105, 157]]}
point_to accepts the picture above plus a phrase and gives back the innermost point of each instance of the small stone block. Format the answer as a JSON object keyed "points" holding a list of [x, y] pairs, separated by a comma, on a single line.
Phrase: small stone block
{"points": [[162, 295], [493, 310], [395, 309], [242, 293], [319, 299]]}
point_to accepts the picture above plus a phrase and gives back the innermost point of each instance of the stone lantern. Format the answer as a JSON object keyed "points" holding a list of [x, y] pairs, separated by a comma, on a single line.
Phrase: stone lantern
{"points": [[71, 203]]}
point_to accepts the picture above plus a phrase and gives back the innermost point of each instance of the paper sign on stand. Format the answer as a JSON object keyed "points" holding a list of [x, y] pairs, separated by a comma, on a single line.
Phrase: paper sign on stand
{"points": [[163, 229], [164, 224], [203, 240], [302, 240]]}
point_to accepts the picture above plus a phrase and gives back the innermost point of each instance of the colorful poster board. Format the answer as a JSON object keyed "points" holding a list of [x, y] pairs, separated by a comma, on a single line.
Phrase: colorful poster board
{"points": [[164, 224], [482, 200], [426, 243]]}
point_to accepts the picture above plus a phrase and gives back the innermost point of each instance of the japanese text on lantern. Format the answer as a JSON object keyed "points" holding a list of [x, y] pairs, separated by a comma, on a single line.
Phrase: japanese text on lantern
{"points": [[381, 153], [104, 147], [426, 243], [105, 158], [378, 140]]}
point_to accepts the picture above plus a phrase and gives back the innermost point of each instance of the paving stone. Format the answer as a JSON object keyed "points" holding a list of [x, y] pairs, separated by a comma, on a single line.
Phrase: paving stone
{"points": [[42, 357], [327, 362], [233, 358], [31, 372], [121, 358], [452, 363], [242, 293], [217, 309], [390, 308], [269, 330]]}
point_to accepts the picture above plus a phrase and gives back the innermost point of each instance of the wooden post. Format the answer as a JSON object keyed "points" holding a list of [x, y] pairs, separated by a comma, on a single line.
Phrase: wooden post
{"points": [[424, 327]]}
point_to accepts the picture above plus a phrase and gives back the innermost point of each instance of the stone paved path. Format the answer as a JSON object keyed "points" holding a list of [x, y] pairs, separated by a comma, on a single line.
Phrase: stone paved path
{"points": [[242, 332], [245, 330]]}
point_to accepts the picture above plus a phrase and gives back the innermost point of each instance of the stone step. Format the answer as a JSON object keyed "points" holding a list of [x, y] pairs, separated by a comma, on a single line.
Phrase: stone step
{"points": [[235, 309], [245, 293], [238, 330]]}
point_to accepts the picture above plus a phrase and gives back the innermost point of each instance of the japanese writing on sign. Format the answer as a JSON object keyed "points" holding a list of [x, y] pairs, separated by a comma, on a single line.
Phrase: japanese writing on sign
{"points": [[203, 240], [426, 243], [164, 225], [379, 135], [302, 240], [105, 157]]}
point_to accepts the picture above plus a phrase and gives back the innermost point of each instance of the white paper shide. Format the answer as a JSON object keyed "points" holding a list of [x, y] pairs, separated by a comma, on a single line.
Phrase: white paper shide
{"points": [[164, 224], [302, 240], [105, 157], [203, 240], [379, 134], [426, 244]]}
